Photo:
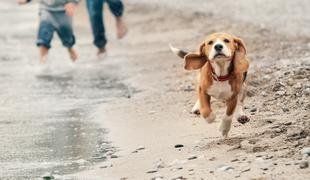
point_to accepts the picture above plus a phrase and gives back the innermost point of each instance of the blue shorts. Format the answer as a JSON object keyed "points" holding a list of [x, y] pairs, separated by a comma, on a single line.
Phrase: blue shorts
{"points": [[51, 21]]}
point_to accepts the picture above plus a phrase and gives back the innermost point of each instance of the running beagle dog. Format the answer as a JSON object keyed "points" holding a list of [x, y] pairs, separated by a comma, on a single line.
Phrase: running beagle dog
{"points": [[223, 66]]}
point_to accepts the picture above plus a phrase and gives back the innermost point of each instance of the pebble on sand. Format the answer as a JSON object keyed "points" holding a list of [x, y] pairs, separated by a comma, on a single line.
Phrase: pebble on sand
{"points": [[152, 171], [303, 164], [158, 177], [178, 177], [192, 157], [306, 151], [254, 109], [212, 159], [48, 176], [113, 156], [224, 168], [140, 148], [178, 146]]}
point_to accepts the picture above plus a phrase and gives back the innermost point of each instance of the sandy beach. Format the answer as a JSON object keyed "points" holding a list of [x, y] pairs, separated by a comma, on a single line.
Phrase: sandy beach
{"points": [[147, 126], [127, 116]]}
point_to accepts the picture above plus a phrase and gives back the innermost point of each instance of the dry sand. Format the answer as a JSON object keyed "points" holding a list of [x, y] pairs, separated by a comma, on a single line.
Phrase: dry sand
{"points": [[155, 117]]}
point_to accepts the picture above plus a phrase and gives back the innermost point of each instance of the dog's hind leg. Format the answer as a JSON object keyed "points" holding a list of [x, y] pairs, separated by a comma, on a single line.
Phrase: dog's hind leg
{"points": [[226, 121]]}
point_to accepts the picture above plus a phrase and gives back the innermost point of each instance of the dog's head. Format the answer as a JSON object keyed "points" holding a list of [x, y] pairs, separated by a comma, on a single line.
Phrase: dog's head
{"points": [[218, 47]]}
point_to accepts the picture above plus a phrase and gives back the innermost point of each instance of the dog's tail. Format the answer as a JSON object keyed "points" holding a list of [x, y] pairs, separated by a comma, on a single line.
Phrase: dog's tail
{"points": [[178, 52]]}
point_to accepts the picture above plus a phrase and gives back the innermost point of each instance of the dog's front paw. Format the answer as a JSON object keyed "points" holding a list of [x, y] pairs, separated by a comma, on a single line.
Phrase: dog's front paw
{"points": [[211, 118], [243, 119], [225, 126], [195, 109]]}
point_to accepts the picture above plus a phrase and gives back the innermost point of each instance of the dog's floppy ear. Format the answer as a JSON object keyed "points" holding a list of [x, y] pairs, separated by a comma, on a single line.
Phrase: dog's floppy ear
{"points": [[195, 60], [241, 63]]}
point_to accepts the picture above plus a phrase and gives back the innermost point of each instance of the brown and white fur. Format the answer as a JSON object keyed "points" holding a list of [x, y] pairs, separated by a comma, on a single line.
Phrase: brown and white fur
{"points": [[223, 65]]}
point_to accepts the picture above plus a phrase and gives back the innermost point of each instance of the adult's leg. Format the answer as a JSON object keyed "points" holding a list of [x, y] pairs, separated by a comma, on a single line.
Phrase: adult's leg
{"points": [[95, 11], [117, 8]]}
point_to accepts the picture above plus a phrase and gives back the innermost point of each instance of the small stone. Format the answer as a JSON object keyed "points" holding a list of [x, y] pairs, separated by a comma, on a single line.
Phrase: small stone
{"points": [[113, 156], [246, 169], [212, 159], [152, 171], [177, 177], [264, 168], [307, 91], [280, 93], [234, 160], [48, 176], [191, 173], [177, 168], [306, 151], [192, 157], [287, 123], [253, 109], [264, 94], [158, 177], [303, 164], [297, 86], [266, 77], [224, 168], [152, 112], [140, 148], [178, 146], [106, 165], [285, 109]]}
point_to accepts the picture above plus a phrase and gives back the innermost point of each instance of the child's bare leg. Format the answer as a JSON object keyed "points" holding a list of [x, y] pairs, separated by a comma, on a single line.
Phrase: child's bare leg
{"points": [[121, 27], [73, 54], [43, 54]]}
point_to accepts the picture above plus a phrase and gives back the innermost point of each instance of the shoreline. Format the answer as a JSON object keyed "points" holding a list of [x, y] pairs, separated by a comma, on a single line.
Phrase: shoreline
{"points": [[147, 126]]}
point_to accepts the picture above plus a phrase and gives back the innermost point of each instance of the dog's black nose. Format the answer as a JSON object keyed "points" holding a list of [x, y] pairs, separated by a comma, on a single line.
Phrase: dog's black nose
{"points": [[218, 47]]}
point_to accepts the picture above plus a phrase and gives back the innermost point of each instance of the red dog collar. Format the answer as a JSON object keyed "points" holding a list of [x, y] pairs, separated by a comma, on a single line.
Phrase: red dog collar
{"points": [[220, 78]]}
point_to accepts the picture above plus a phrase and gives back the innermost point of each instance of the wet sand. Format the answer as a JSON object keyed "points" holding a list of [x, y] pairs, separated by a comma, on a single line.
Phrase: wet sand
{"points": [[46, 118]]}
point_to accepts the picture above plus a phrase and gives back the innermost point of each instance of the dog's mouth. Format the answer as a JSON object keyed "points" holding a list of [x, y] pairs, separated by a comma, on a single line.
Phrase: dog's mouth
{"points": [[220, 55]]}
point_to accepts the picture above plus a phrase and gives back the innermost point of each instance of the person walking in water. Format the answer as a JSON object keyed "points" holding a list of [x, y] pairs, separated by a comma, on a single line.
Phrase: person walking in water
{"points": [[55, 16], [95, 11]]}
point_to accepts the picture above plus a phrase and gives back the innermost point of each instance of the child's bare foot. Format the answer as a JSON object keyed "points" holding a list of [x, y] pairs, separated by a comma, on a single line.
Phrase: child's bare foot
{"points": [[101, 52], [73, 54], [43, 54], [121, 27]]}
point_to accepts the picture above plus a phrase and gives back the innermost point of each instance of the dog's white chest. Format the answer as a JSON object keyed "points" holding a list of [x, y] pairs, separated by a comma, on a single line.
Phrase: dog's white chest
{"points": [[220, 90]]}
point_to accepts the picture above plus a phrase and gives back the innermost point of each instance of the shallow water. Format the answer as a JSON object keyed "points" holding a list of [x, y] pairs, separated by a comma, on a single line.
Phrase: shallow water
{"points": [[46, 114]]}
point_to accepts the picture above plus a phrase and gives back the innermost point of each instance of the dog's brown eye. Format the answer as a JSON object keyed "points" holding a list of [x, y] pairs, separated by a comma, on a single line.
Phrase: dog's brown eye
{"points": [[210, 42], [226, 41]]}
